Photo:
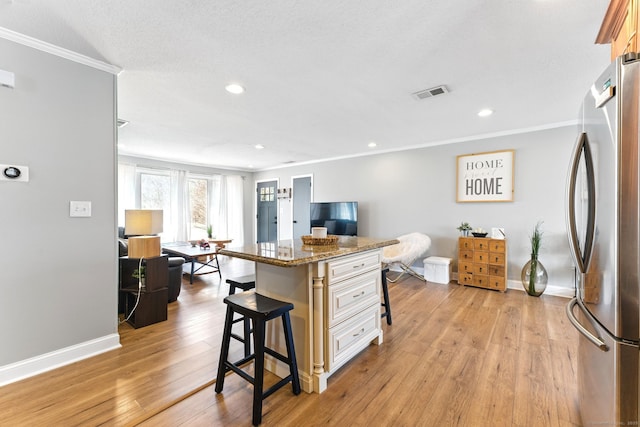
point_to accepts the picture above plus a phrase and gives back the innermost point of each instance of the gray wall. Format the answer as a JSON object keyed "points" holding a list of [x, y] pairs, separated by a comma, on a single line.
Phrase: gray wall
{"points": [[414, 190], [58, 275]]}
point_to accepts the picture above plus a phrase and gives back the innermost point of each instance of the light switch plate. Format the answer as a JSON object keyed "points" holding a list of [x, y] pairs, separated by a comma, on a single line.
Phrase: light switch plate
{"points": [[7, 79], [79, 209]]}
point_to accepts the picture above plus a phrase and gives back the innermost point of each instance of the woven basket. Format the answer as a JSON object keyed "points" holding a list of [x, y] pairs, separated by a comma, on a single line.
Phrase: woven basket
{"points": [[319, 241]]}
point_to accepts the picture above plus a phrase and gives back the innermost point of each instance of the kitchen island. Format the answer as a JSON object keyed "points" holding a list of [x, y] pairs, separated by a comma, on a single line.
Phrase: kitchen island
{"points": [[335, 291]]}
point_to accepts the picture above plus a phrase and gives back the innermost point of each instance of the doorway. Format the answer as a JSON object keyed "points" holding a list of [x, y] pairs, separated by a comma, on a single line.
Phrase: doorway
{"points": [[301, 206], [267, 211]]}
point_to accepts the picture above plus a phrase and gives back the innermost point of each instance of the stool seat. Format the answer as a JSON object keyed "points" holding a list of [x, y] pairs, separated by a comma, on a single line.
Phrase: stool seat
{"points": [[257, 306], [260, 309]]}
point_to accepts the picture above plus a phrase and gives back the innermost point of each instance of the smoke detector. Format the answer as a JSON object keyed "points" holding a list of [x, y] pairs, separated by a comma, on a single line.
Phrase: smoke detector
{"points": [[431, 92]]}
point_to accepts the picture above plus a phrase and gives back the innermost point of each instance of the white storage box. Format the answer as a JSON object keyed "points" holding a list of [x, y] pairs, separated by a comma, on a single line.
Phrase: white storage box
{"points": [[437, 269]]}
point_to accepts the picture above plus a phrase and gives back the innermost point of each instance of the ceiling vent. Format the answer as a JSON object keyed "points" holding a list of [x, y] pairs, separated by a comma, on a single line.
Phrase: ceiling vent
{"points": [[429, 93]]}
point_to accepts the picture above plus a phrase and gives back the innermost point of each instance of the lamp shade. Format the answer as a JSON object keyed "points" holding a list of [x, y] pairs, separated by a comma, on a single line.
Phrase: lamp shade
{"points": [[142, 222]]}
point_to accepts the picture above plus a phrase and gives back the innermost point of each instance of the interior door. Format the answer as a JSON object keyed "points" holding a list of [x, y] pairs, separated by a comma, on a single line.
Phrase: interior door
{"points": [[267, 211], [301, 203]]}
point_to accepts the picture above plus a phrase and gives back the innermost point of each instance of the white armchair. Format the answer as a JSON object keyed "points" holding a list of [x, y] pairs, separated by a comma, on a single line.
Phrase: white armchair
{"points": [[404, 254]]}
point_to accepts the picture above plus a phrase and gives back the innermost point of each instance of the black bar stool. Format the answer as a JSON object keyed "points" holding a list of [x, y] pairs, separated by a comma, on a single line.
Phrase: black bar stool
{"points": [[385, 295], [260, 309], [245, 283]]}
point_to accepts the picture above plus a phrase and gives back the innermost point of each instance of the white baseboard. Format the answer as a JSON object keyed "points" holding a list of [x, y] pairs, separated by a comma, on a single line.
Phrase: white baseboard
{"points": [[55, 359]]}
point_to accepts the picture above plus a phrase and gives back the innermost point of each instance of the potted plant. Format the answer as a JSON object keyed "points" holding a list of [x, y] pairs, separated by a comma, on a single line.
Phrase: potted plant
{"points": [[138, 273], [464, 228], [209, 231], [534, 275]]}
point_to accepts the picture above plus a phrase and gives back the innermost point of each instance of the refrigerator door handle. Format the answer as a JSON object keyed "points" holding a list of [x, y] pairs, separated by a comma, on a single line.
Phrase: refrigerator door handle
{"points": [[581, 259], [574, 321]]}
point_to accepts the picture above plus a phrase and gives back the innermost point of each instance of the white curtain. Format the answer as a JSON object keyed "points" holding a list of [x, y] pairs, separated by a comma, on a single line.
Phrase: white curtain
{"points": [[178, 224], [126, 189], [226, 199], [217, 215], [234, 198]]}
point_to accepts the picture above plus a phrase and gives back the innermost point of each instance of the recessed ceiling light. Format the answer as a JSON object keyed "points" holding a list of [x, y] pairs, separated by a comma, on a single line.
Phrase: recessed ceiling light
{"points": [[234, 88], [485, 113], [372, 144], [259, 146]]}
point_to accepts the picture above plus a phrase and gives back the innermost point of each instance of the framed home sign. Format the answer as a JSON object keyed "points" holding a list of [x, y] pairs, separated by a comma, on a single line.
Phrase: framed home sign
{"points": [[485, 177]]}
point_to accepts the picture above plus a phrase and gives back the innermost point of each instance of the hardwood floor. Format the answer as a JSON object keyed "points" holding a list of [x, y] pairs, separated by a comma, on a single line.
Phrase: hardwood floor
{"points": [[453, 356]]}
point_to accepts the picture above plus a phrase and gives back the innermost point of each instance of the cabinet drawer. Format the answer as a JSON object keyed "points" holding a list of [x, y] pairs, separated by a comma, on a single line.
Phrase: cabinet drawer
{"points": [[497, 246], [466, 243], [352, 266], [465, 279], [496, 258], [353, 295], [497, 283], [496, 270], [480, 257], [465, 267], [466, 255], [480, 269], [481, 280], [351, 336], [481, 244]]}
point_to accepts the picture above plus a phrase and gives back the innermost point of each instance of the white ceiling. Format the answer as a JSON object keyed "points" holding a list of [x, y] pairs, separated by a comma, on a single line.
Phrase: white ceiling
{"points": [[324, 78]]}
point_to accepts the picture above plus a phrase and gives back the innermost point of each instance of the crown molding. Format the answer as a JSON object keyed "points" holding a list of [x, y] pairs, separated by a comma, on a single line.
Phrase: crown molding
{"points": [[58, 51]]}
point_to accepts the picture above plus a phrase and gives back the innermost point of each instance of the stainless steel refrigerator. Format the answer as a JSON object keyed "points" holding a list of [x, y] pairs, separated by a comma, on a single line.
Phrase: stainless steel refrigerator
{"points": [[603, 222]]}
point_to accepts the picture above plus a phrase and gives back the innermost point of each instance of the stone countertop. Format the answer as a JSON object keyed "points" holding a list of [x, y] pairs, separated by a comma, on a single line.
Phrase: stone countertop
{"points": [[291, 253]]}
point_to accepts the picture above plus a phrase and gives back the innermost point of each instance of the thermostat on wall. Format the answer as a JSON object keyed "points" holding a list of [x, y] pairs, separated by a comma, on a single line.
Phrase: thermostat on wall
{"points": [[14, 173]]}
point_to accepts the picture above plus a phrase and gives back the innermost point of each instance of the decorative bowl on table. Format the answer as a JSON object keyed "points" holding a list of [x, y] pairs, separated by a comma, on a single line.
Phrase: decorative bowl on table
{"points": [[479, 234]]}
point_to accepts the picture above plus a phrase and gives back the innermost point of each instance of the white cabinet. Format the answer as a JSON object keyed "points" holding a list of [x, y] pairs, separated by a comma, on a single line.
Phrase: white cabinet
{"points": [[352, 318]]}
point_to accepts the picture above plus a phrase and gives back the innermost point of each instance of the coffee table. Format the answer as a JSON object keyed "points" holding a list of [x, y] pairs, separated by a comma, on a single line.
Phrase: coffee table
{"points": [[191, 254]]}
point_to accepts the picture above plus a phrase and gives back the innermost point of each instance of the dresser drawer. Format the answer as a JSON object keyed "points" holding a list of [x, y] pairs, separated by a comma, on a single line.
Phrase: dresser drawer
{"points": [[350, 296], [466, 243], [496, 258], [466, 255], [481, 269], [497, 246], [481, 244], [480, 257], [465, 279], [465, 267], [351, 266], [352, 336], [481, 280], [496, 270], [498, 283]]}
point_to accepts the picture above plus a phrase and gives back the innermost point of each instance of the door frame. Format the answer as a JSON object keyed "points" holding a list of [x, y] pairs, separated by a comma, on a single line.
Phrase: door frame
{"points": [[255, 206]]}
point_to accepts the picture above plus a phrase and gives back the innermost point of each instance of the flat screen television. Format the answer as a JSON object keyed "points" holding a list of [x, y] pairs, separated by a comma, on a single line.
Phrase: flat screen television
{"points": [[340, 218]]}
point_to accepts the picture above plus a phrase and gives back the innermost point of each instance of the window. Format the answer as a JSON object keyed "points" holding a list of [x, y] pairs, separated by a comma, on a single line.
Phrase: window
{"points": [[190, 202], [154, 191], [199, 208]]}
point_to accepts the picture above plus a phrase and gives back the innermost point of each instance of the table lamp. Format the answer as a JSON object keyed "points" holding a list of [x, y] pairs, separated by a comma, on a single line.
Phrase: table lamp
{"points": [[142, 225]]}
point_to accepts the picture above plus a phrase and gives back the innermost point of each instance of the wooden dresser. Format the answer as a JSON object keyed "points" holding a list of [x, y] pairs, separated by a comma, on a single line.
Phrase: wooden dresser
{"points": [[482, 262]]}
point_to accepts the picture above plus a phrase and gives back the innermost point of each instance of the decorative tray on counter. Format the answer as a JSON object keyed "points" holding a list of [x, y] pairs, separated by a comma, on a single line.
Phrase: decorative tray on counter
{"points": [[319, 241]]}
